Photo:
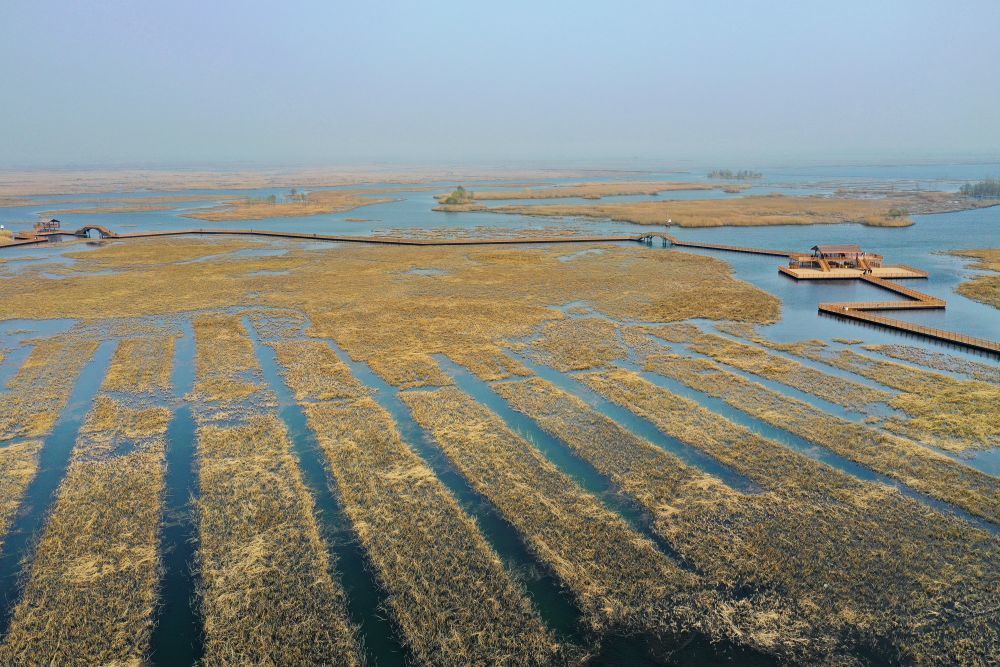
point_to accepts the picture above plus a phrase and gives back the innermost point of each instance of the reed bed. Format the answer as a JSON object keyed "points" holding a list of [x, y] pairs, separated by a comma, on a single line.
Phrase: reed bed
{"points": [[42, 386], [488, 362], [408, 370], [940, 361], [448, 590], [588, 190], [313, 203], [266, 590], [865, 566], [946, 412], [314, 372], [738, 212], [899, 458], [141, 365], [578, 343], [18, 465], [751, 359], [986, 288], [227, 368], [620, 580], [91, 589]]}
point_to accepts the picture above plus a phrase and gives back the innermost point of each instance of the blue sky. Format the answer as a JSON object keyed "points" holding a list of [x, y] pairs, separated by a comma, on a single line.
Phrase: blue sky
{"points": [[179, 82]]}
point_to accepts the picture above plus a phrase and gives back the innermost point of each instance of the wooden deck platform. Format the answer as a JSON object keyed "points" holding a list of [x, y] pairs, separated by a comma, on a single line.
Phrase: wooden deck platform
{"points": [[852, 274]]}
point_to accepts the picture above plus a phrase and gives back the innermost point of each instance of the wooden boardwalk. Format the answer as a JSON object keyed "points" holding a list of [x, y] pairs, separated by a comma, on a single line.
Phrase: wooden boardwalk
{"points": [[859, 311], [106, 233], [915, 300]]}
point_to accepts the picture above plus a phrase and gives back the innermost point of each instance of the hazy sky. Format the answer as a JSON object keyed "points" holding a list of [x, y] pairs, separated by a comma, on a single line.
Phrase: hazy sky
{"points": [[182, 82]]}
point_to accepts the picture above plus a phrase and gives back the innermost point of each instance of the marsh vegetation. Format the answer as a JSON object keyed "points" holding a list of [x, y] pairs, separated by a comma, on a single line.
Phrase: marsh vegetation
{"points": [[802, 561]]}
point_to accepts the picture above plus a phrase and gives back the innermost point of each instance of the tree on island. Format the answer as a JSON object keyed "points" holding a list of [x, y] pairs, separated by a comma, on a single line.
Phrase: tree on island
{"points": [[987, 188], [459, 196]]}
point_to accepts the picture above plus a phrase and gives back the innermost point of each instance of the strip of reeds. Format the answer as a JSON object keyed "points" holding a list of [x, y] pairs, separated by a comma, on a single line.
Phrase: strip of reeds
{"points": [[448, 590], [946, 412], [899, 458], [91, 589], [18, 465], [861, 562], [141, 365], [43, 385], [267, 595], [266, 589], [792, 373], [314, 372], [618, 577], [227, 369], [940, 361], [409, 370]]}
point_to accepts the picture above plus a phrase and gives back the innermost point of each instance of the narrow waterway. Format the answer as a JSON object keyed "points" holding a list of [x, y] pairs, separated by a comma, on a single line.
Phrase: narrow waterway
{"points": [[367, 605], [178, 633]]}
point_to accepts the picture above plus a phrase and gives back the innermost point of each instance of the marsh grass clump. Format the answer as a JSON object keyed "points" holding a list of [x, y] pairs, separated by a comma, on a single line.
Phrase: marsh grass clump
{"points": [[293, 205], [578, 343], [141, 365], [266, 593], [899, 458], [43, 385], [314, 372], [865, 566], [18, 465], [430, 557], [227, 368], [619, 579], [986, 288]]}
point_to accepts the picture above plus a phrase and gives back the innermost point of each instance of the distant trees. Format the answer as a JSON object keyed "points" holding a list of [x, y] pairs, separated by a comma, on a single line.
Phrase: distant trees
{"points": [[896, 213], [987, 188], [729, 174], [459, 196]]}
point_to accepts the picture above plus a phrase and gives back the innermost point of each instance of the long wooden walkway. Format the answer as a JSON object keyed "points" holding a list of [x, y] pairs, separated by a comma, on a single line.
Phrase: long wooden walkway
{"points": [[916, 300], [852, 310], [106, 233]]}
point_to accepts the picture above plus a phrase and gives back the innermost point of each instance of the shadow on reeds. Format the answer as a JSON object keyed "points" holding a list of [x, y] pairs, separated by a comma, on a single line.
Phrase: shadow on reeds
{"points": [[366, 603], [805, 447], [178, 635], [640, 427], [553, 602], [41, 493], [560, 454]]}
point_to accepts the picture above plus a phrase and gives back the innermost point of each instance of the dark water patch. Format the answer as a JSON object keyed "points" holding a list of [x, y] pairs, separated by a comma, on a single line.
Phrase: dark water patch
{"points": [[807, 448], [178, 632], [640, 427], [553, 602], [40, 496], [559, 454], [366, 601]]}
